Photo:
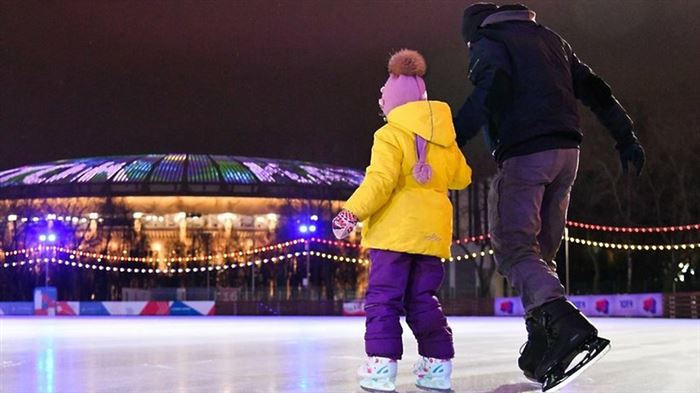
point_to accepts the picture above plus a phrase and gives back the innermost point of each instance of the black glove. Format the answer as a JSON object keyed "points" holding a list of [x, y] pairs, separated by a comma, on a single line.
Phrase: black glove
{"points": [[633, 152]]}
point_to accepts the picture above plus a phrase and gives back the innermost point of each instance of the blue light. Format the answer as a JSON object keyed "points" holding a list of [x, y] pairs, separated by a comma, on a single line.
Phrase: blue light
{"points": [[51, 237], [314, 218], [303, 228], [42, 238], [312, 228]]}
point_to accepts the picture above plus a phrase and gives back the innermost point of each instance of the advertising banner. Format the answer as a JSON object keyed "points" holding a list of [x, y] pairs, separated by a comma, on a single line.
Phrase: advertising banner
{"points": [[622, 305], [92, 308], [156, 308], [16, 308], [45, 301], [600, 306], [650, 305], [192, 308], [354, 308], [508, 306], [67, 308], [124, 308]]}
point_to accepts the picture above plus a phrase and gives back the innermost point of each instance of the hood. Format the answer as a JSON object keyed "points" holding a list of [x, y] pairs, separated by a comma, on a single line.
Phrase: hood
{"points": [[510, 13], [473, 17], [432, 120]]}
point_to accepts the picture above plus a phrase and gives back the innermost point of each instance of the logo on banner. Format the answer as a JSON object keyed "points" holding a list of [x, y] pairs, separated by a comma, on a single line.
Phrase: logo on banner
{"points": [[626, 304], [580, 304], [602, 306], [507, 306], [649, 305]]}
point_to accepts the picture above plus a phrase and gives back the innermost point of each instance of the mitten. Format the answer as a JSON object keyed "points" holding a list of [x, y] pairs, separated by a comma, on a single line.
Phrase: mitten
{"points": [[343, 224]]}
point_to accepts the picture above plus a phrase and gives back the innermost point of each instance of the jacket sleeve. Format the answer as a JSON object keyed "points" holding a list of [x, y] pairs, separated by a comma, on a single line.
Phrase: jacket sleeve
{"points": [[489, 72], [597, 95], [381, 177], [462, 176]]}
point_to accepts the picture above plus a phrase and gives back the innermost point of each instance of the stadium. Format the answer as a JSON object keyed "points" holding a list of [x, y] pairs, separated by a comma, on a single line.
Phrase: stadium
{"points": [[175, 215], [162, 208]]}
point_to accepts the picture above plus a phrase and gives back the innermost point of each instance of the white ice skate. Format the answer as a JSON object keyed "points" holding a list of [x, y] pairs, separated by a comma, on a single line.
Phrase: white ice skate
{"points": [[378, 374], [433, 374]]}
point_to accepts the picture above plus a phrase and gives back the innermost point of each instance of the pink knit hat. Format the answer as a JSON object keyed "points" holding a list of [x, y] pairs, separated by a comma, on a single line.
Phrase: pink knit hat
{"points": [[405, 83]]}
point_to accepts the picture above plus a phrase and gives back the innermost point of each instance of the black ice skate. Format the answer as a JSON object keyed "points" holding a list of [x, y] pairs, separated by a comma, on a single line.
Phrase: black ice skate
{"points": [[533, 350], [570, 336]]}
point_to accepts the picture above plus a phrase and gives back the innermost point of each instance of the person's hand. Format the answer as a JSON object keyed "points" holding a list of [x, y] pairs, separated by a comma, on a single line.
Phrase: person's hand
{"points": [[634, 152], [343, 224]]}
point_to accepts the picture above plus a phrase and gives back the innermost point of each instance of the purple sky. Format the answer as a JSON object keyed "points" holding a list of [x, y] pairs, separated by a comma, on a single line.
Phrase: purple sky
{"points": [[285, 79]]}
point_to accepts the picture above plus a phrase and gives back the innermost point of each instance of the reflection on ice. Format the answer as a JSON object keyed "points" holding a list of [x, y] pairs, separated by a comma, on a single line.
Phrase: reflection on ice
{"points": [[311, 354]]}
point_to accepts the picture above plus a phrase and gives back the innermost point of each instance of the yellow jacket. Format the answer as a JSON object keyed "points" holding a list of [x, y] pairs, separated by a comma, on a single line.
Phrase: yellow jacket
{"points": [[398, 213]]}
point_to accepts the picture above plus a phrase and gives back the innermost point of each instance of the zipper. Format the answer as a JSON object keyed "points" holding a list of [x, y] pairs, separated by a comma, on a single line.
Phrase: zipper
{"points": [[473, 68]]}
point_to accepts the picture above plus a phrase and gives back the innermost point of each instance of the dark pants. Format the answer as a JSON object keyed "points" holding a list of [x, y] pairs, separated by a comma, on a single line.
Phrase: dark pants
{"points": [[528, 201], [398, 282]]}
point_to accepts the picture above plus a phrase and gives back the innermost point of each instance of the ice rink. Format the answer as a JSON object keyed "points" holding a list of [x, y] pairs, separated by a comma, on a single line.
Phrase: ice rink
{"points": [[311, 354]]}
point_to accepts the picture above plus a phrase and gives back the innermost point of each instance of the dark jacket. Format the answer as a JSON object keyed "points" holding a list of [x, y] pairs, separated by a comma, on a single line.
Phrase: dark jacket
{"points": [[527, 80]]}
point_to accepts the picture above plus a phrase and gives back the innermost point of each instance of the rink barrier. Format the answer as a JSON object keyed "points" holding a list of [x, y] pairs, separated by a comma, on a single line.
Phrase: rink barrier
{"points": [[16, 308], [683, 305], [461, 306], [355, 308], [679, 305], [68, 308], [621, 305], [45, 301], [280, 307]]}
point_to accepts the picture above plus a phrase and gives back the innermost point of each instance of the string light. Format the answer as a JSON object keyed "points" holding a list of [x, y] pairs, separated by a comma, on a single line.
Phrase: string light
{"points": [[339, 258], [337, 243], [92, 266], [473, 239], [608, 228], [340, 243], [468, 256], [21, 251], [71, 262], [466, 240], [122, 258], [638, 247]]}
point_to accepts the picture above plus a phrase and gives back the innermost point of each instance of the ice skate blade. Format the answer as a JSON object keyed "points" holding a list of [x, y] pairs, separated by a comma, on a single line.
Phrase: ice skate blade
{"points": [[374, 386], [603, 347], [427, 389], [370, 390], [441, 385]]}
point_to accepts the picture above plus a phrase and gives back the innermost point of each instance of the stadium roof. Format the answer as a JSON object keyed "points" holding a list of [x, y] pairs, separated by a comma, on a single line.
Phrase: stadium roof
{"points": [[179, 174]]}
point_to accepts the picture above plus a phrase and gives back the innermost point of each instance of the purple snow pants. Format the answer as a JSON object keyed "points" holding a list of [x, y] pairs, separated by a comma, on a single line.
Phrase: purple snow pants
{"points": [[528, 201], [401, 282]]}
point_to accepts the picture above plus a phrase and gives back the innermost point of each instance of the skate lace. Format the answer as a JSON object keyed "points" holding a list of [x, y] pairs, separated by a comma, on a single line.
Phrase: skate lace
{"points": [[551, 335], [419, 367]]}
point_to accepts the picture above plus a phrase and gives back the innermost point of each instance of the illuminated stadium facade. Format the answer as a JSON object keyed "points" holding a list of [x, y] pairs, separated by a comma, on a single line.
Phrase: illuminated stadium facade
{"points": [[179, 174], [182, 213], [160, 192], [165, 206]]}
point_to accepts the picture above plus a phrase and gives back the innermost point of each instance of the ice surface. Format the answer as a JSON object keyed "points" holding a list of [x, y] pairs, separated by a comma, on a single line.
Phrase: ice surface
{"points": [[311, 354]]}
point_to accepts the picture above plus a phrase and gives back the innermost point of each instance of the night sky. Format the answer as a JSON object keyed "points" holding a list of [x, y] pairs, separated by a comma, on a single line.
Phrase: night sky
{"points": [[286, 79]]}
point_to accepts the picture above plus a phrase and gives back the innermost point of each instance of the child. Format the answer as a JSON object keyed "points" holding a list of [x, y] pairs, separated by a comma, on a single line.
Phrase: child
{"points": [[407, 215]]}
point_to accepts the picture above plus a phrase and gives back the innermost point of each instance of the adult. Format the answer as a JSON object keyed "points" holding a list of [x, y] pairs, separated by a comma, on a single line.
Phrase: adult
{"points": [[527, 80]]}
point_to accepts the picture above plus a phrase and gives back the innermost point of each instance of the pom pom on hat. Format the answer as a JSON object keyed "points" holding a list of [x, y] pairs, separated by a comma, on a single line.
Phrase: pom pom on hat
{"points": [[405, 83], [407, 62]]}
